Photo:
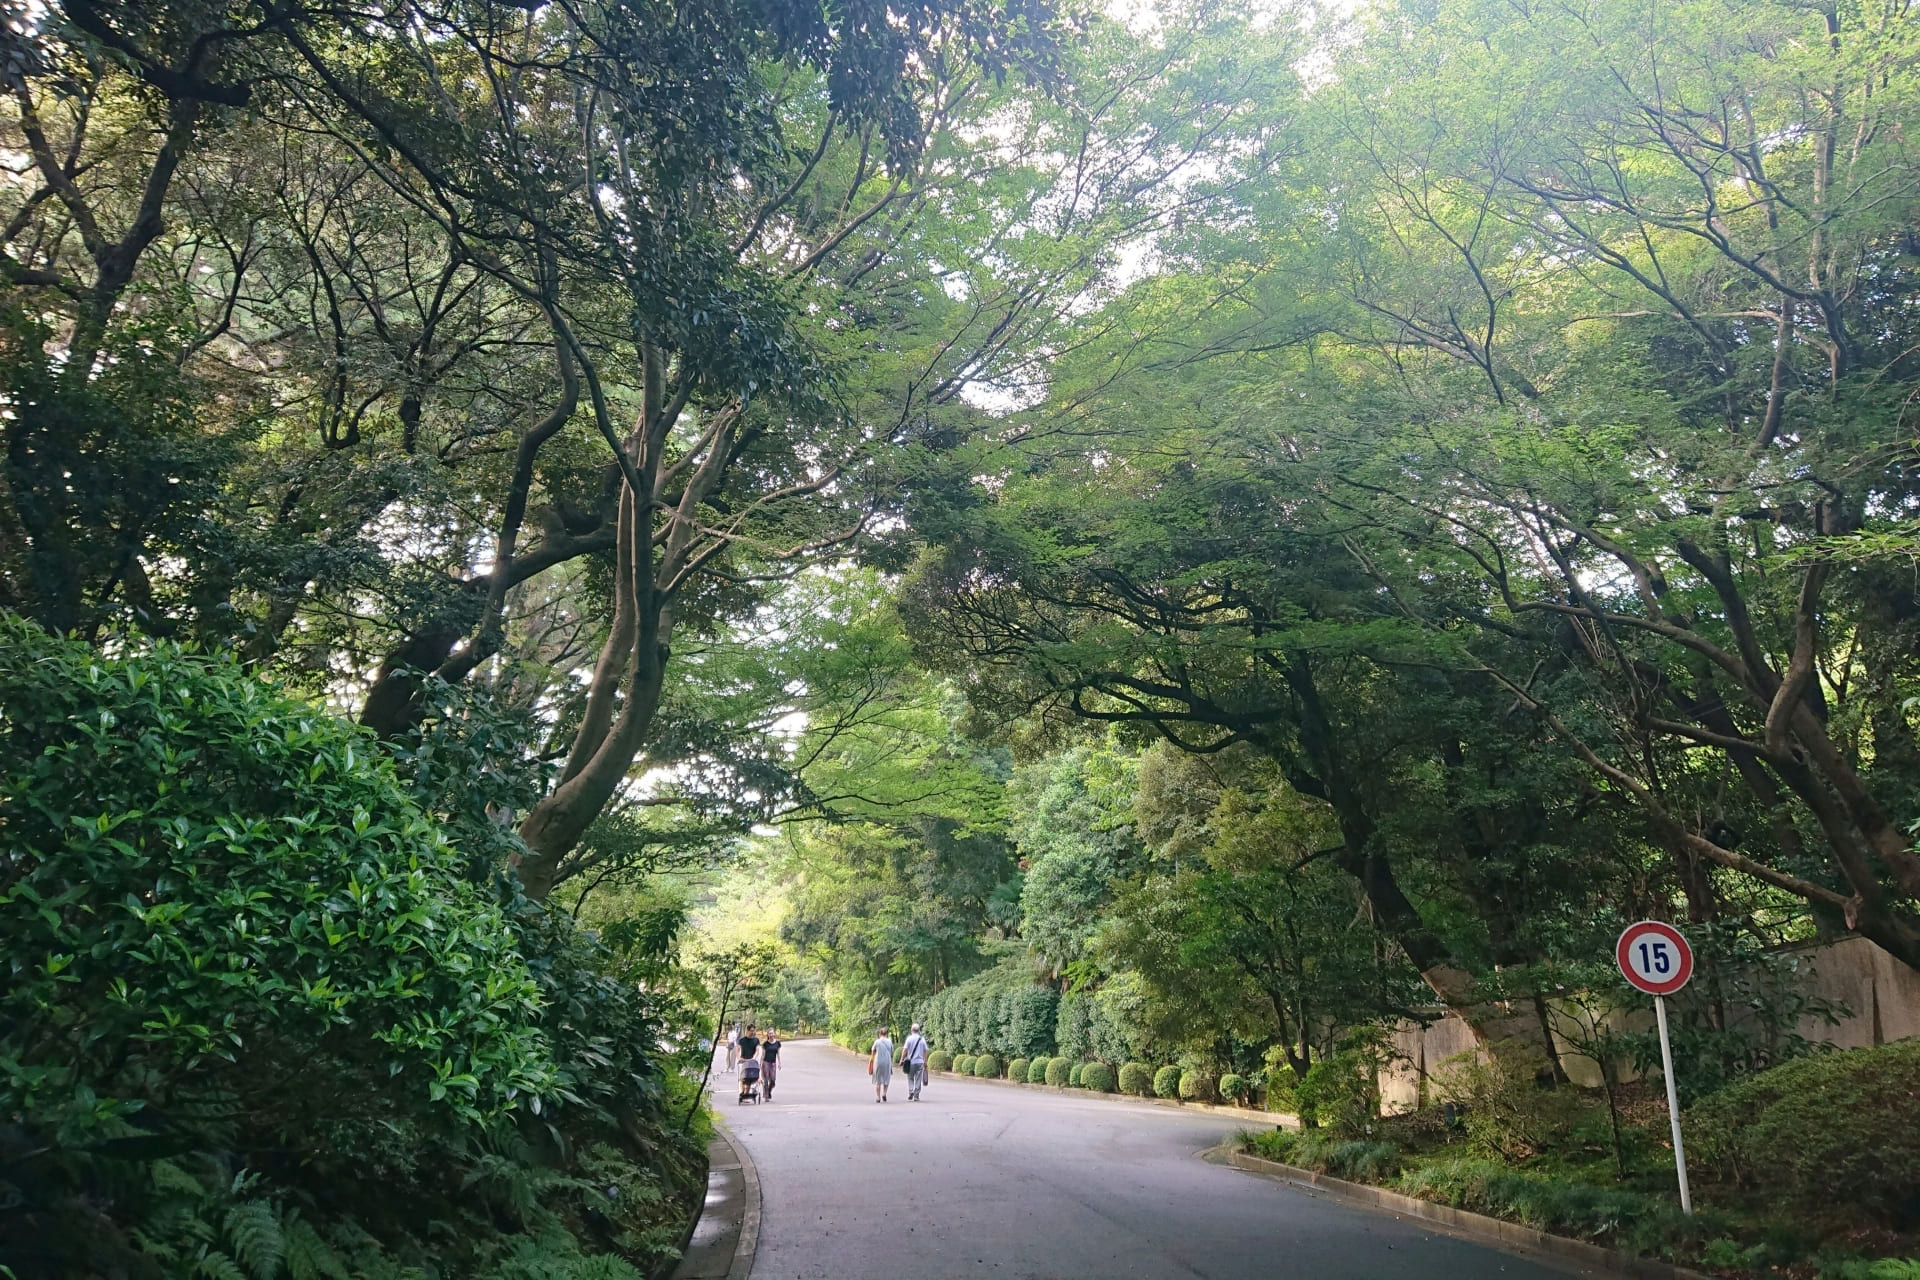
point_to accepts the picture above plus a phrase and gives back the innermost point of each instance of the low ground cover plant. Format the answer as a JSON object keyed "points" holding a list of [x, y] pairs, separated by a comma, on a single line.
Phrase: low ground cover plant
{"points": [[1037, 1070], [986, 1067], [939, 1060], [1097, 1076], [1136, 1078], [1017, 1069], [1059, 1072], [1166, 1082]]}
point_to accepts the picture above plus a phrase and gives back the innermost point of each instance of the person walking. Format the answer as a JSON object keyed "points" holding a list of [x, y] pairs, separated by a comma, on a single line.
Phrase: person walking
{"points": [[749, 1070], [880, 1064], [750, 1043], [769, 1062], [733, 1047], [913, 1056]]}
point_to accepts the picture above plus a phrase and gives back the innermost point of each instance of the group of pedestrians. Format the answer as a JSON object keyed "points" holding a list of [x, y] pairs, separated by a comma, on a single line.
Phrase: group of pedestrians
{"points": [[756, 1060], [912, 1058]]}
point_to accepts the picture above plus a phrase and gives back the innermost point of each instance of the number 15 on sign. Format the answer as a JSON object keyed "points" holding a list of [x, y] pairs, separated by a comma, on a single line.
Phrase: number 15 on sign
{"points": [[1657, 960]]}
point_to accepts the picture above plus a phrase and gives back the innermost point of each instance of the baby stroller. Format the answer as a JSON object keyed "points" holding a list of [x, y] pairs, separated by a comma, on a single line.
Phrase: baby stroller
{"points": [[750, 1081]]}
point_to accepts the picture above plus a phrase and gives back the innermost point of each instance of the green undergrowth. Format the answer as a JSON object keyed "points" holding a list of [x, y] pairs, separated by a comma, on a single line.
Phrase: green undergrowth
{"points": [[1551, 1159]]}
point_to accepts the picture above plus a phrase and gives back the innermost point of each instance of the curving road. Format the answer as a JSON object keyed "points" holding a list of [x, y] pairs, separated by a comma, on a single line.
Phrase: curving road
{"points": [[985, 1180]]}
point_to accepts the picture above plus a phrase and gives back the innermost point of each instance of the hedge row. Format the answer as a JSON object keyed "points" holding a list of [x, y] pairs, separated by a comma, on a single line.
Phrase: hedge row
{"points": [[1136, 1078], [1001, 1011]]}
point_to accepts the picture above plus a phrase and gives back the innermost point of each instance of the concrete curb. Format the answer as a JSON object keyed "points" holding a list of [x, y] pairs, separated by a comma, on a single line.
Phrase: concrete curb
{"points": [[749, 1242], [663, 1272], [716, 1257], [1475, 1226]]}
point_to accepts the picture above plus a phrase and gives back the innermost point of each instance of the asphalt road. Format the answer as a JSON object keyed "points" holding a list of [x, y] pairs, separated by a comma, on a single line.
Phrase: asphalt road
{"points": [[984, 1180]]}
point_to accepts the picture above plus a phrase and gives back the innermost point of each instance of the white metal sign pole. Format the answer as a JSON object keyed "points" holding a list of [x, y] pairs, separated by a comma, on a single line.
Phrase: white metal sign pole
{"points": [[1656, 959], [1673, 1104]]}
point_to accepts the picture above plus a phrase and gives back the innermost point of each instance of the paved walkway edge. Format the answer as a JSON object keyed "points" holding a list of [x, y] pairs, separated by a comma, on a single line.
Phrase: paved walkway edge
{"points": [[749, 1242], [666, 1272], [1459, 1221]]}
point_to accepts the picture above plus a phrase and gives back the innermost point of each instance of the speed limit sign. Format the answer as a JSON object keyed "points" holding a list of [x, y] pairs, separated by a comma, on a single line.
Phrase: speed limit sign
{"points": [[1654, 957]]}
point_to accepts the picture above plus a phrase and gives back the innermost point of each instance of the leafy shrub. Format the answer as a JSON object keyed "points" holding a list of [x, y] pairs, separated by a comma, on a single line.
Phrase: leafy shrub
{"points": [[1017, 1069], [293, 991], [1797, 1132], [1076, 1073], [1166, 1082], [1340, 1093], [1233, 1088], [1508, 1115], [939, 1060], [1000, 1011], [1072, 1025], [963, 1064], [986, 1067], [1037, 1070], [1136, 1078], [1097, 1076], [185, 841], [1197, 1086], [1059, 1072]]}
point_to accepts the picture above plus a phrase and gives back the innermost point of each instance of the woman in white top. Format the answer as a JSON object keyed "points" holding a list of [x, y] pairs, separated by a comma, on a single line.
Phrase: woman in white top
{"points": [[880, 1065]]}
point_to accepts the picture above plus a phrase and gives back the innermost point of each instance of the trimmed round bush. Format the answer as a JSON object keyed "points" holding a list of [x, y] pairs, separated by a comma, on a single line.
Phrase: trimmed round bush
{"points": [[1197, 1086], [1097, 1076], [939, 1060], [1017, 1069], [1059, 1072], [1166, 1082], [1136, 1078], [1233, 1088], [1037, 1070], [1074, 1073], [986, 1067], [1834, 1120], [963, 1064]]}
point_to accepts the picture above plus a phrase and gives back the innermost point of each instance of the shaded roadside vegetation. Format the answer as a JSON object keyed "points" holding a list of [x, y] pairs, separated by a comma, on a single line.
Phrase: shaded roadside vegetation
{"points": [[1163, 546], [1769, 1155], [274, 1008]]}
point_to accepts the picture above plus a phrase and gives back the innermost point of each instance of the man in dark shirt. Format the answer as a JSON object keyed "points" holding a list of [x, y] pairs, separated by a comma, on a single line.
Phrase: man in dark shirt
{"points": [[749, 1042], [769, 1063]]}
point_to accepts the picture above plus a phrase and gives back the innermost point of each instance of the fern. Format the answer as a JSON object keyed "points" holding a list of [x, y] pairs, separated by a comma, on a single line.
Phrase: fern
{"points": [[215, 1265], [170, 1177], [258, 1242], [308, 1257]]}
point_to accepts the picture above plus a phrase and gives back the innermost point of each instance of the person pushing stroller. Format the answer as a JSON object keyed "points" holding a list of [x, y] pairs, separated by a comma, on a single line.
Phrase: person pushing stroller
{"points": [[750, 1065]]}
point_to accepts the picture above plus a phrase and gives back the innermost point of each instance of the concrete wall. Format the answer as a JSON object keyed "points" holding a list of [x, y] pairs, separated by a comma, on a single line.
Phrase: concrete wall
{"points": [[1881, 996]]}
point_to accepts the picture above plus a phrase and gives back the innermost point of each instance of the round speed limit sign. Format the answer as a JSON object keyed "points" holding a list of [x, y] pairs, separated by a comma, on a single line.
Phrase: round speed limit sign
{"points": [[1654, 957]]}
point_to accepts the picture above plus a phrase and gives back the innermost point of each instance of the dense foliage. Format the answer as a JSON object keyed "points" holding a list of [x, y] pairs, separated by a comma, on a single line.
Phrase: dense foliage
{"points": [[1170, 541], [258, 1015], [1795, 1133]]}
